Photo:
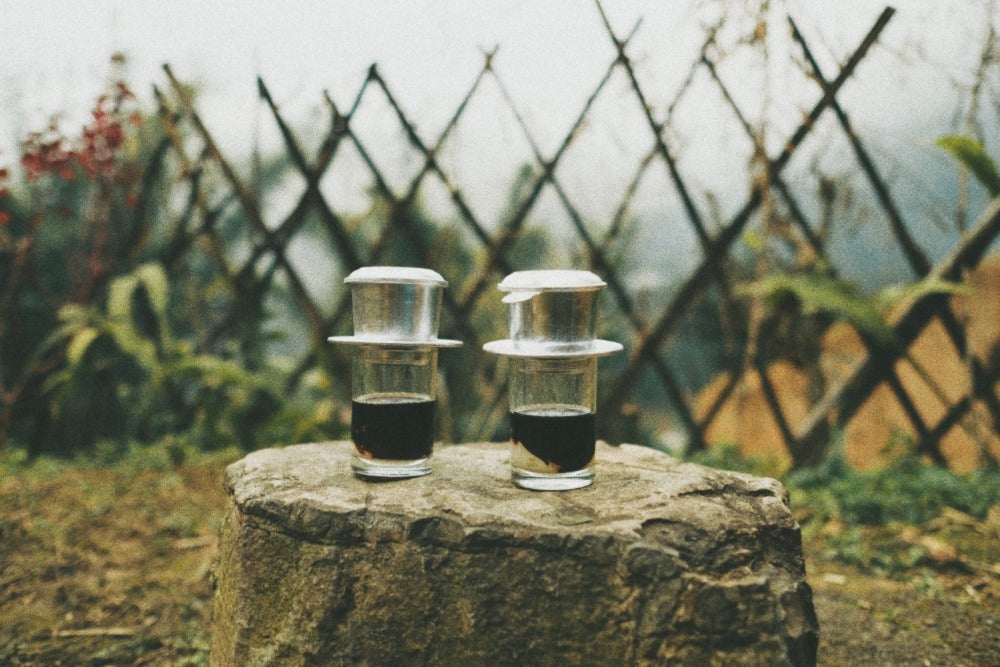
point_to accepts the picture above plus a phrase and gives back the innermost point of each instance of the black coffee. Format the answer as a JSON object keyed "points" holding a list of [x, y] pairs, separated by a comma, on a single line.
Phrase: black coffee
{"points": [[393, 428], [561, 436]]}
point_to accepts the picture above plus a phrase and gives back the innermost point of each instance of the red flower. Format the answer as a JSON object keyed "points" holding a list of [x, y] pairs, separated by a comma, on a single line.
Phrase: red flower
{"points": [[85, 159], [4, 218], [132, 200], [32, 165], [114, 136], [4, 173], [94, 151]]}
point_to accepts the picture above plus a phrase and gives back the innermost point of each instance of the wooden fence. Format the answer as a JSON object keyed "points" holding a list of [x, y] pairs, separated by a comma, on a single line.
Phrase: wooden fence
{"points": [[647, 336]]}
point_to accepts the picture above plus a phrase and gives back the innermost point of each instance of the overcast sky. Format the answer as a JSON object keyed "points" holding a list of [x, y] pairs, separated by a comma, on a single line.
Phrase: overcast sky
{"points": [[54, 58], [53, 55]]}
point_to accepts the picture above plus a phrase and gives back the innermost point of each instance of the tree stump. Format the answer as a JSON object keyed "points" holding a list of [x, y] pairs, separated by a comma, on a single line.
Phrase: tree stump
{"points": [[658, 561]]}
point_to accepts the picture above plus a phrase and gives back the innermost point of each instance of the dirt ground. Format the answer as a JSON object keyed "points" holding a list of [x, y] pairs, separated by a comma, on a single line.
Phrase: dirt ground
{"points": [[930, 619], [112, 565], [107, 565]]}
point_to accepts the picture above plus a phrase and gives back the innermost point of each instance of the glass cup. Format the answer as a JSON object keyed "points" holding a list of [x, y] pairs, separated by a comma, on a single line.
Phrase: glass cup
{"points": [[552, 422], [393, 410]]}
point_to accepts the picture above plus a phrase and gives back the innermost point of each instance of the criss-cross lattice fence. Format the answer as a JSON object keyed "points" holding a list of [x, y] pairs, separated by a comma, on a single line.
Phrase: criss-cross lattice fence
{"points": [[647, 335]]}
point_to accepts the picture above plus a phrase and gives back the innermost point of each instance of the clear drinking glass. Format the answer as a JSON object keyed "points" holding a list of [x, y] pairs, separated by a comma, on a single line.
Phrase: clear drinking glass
{"points": [[552, 422], [393, 410]]}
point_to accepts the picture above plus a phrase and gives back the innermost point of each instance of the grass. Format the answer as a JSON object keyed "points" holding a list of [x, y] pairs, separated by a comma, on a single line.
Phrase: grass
{"points": [[108, 560], [904, 561]]}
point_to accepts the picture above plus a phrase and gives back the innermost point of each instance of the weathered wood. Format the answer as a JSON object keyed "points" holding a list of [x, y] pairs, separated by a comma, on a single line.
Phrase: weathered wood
{"points": [[844, 398]]}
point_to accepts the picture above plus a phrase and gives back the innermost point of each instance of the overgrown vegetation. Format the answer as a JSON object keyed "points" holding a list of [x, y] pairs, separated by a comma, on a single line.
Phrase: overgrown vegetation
{"points": [[907, 490], [907, 519], [107, 557], [126, 352], [104, 340], [126, 319], [121, 323]]}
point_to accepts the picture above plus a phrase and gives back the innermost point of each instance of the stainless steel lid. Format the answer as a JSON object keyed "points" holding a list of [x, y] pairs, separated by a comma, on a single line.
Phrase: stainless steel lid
{"points": [[396, 305], [551, 280], [396, 274], [553, 313]]}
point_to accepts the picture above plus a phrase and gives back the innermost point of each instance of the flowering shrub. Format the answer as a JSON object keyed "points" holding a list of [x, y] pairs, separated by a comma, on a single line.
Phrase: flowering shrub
{"points": [[96, 149], [96, 345]]}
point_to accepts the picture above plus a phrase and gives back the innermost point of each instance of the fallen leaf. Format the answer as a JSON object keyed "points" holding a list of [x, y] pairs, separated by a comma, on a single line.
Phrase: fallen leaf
{"points": [[832, 527], [938, 550], [952, 517]]}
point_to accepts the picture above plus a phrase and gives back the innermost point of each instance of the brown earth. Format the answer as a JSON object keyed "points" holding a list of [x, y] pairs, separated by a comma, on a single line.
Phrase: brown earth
{"points": [[112, 565], [107, 565], [934, 376]]}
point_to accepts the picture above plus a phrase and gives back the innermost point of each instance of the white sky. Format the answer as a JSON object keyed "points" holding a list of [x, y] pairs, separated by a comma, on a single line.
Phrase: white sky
{"points": [[54, 55]]}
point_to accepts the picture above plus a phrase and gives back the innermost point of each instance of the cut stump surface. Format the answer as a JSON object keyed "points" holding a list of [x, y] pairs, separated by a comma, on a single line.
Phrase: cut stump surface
{"points": [[658, 561]]}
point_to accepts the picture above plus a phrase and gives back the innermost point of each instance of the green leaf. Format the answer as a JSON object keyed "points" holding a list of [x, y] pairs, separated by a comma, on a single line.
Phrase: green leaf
{"points": [[120, 298], [215, 371], [56, 380], [896, 293], [130, 342], [816, 293], [973, 156], [154, 279], [79, 345], [754, 240], [73, 313], [157, 286]]}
